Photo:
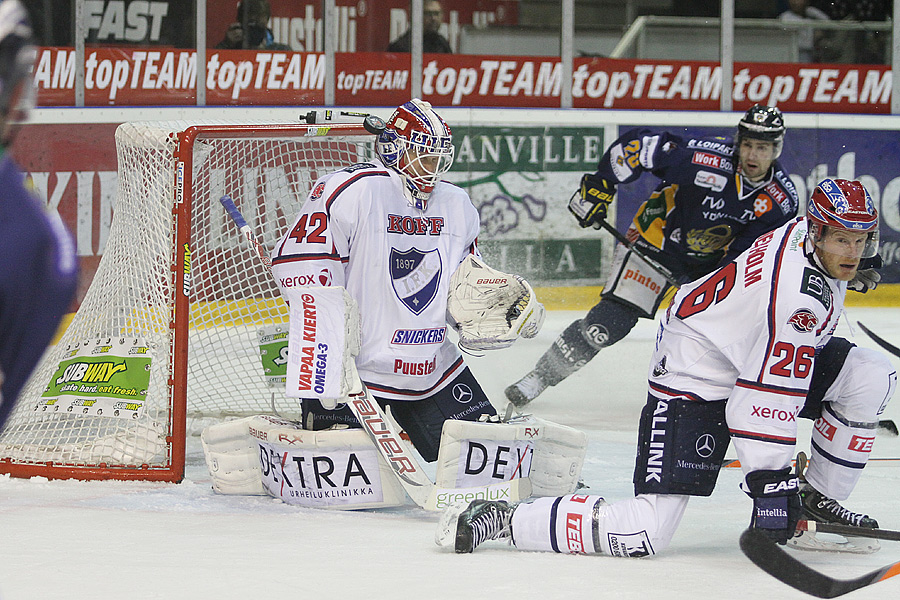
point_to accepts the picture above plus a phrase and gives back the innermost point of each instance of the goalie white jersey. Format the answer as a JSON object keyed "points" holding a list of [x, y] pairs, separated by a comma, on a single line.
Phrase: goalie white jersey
{"points": [[748, 333], [358, 231]]}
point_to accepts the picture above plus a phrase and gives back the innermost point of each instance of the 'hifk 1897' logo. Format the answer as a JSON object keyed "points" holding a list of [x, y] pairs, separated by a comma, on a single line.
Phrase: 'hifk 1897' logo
{"points": [[415, 276]]}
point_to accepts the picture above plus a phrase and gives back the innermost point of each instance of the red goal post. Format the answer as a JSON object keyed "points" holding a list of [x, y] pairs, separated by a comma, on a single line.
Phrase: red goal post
{"points": [[172, 328]]}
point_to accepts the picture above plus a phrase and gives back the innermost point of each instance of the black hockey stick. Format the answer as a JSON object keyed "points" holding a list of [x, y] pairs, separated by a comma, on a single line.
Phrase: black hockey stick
{"points": [[630, 245], [848, 530], [880, 341], [774, 560]]}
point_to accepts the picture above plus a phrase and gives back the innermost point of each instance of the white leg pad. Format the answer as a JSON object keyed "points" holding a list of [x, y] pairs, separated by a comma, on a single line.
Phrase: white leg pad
{"points": [[333, 469], [550, 456]]}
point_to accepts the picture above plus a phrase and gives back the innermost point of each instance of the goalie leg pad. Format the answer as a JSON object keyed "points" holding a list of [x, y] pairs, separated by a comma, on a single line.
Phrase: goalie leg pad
{"points": [[474, 455], [232, 458], [334, 469]]}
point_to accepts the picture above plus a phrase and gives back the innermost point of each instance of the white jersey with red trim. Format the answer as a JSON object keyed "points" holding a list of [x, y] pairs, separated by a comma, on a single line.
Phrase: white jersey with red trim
{"points": [[748, 333], [357, 230]]}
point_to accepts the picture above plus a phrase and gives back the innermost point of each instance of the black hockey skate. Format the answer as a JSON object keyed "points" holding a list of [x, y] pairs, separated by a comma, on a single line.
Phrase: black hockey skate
{"points": [[818, 507], [482, 520], [526, 389]]}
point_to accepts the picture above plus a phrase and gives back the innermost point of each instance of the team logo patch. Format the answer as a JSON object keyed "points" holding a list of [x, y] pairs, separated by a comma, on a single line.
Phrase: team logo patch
{"points": [[814, 284], [415, 276], [317, 191], [803, 320]]}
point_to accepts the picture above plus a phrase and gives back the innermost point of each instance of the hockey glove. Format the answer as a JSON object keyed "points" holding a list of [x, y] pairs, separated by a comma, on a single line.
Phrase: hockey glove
{"points": [[776, 503], [591, 202], [867, 277]]}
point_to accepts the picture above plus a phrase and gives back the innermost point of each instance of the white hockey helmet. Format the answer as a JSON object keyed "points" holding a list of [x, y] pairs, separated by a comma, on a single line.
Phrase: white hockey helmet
{"points": [[416, 143]]}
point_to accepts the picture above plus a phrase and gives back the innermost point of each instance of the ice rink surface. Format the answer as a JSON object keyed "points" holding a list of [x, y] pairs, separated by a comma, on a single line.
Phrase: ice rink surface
{"points": [[135, 540]]}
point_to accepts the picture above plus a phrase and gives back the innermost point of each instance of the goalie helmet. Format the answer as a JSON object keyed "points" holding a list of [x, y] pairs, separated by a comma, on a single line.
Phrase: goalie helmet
{"points": [[762, 123], [844, 205], [17, 54], [418, 145]]}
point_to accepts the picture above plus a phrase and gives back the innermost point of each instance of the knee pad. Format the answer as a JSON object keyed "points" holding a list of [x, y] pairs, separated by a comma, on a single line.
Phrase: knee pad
{"points": [[681, 446]]}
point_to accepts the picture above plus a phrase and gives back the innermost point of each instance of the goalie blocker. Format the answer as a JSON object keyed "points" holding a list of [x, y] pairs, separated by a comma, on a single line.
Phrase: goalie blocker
{"points": [[491, 309], [341, 469]]}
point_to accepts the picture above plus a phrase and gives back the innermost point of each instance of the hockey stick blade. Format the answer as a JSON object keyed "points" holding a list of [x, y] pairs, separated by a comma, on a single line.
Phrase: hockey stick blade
{"points": [[774, 560], [880, 341], [848, 530]]}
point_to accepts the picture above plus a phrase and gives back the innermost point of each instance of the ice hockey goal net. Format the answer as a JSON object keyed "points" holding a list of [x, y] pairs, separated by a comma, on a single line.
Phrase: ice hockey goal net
{"points": [[170, 326]]}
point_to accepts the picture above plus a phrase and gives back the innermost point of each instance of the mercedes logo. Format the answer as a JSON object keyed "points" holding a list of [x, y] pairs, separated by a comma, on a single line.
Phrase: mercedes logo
{"points": [[706, 445], [462, 393]]}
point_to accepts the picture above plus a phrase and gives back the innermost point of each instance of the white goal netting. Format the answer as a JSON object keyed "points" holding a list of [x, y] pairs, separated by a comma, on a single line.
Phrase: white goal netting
{"points": [[176, 278]]}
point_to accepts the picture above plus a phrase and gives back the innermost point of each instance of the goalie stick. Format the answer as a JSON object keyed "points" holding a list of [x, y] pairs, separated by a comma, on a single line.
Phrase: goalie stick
{"points": [[766, 554], [378, 425]]}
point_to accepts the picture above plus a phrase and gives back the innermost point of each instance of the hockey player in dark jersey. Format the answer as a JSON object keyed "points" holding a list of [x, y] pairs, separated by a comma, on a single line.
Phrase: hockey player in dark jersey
{"points": [[716, 196], [39, 269]]}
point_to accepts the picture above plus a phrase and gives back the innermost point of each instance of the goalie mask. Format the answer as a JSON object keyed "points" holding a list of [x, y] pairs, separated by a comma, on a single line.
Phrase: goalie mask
{"points": [[842, 205], [418, 145], [764, 123]]}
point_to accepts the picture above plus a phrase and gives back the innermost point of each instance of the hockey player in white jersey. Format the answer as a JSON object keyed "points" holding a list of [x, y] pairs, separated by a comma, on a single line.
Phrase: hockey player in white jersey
{"points": [[740, 355], [392, 233]]}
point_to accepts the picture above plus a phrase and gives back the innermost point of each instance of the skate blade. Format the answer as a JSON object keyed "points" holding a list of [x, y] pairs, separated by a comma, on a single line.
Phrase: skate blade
{"points": [[812, 542]]}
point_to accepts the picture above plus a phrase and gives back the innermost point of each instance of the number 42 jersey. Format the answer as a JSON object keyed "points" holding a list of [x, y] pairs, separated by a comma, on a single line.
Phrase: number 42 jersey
{"points": [[357, 230], [748, 333]]}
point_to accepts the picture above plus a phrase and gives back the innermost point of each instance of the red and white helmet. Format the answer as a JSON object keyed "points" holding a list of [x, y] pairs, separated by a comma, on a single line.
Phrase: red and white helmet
{"points": [[418, 145], [845, 205]]}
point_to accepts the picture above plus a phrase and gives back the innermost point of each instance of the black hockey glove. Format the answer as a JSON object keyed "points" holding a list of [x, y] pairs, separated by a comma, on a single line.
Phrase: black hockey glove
{"points": [[867, 277], [776, 503], [590, 203]]}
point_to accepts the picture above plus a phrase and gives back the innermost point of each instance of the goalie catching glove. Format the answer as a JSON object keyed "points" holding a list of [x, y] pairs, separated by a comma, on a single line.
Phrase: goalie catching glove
{"points": [[591, 203], [491, 309]]}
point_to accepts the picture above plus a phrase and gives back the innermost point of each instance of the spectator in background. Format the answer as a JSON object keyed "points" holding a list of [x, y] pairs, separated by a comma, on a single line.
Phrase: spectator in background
{"points": [[432, 40], [864, 47], [807, 37], [251, 31]]}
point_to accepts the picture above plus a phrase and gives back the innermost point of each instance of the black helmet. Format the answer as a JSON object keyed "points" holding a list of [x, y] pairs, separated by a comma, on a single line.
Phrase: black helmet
{"points": [[762, 123]]}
